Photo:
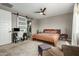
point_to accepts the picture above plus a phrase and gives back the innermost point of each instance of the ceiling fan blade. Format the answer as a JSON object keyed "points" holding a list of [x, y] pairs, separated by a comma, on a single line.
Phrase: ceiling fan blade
{"points": [[44, 9], [44, 14], [37, 12], [41, 9]]}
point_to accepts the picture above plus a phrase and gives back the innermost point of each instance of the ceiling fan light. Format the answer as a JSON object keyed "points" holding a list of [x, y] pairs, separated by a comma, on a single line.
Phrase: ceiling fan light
{"points": [[41, 13]]}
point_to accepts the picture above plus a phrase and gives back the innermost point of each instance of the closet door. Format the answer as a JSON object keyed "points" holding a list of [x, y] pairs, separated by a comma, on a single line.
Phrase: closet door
{"points": [[5, 27], [22, 24]]}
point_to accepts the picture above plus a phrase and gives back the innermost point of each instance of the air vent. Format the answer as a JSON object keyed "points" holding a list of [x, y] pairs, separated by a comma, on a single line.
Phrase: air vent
{"points": [[7, 5]]}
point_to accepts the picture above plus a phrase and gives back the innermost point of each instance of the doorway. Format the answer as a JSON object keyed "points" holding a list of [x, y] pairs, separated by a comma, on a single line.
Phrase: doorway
{"points": [[29, 28]]}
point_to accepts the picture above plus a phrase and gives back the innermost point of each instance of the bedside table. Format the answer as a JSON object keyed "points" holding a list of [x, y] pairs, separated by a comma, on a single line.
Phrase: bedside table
{"points": [[63, 36], [39, 32]]}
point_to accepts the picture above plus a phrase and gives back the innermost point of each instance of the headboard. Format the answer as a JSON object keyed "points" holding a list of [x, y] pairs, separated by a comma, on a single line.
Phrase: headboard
{"points": [[52, 30]]}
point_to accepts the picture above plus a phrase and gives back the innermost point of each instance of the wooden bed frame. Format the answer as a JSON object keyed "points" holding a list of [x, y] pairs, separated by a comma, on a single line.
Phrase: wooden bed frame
{"points": [[57, 30], [52, 38]]}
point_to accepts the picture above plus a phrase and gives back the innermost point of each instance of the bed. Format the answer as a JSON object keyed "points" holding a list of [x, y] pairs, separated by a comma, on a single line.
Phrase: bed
{"points": [[48, 35]]}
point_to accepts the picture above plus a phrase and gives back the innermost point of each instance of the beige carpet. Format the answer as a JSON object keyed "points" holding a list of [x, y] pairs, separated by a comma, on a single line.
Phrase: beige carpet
{"points": [[25, 48]]}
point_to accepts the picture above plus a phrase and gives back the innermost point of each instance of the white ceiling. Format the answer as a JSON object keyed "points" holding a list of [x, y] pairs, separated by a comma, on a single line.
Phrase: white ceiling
{"points": [[53, 9]]}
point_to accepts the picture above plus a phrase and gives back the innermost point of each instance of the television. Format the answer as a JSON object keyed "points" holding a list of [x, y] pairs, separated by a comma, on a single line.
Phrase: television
{"points": [[16, 29]]}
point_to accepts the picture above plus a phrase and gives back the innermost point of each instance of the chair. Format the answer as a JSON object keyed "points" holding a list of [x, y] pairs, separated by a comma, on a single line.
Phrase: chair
{"points": [[14, 37], [24, 36], [69, 50]]}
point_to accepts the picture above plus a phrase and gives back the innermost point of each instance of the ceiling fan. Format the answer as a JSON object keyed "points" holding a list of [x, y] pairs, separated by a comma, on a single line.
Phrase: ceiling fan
{"points": [[42, 11]]}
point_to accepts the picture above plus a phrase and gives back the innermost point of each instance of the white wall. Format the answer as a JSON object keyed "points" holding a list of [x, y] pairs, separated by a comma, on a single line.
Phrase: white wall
{"points": [[34, 26], [14, 21], [63, 22]]}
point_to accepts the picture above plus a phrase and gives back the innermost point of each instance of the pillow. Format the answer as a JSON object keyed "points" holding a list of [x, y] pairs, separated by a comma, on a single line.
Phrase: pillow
{"points": [[53, 32]]}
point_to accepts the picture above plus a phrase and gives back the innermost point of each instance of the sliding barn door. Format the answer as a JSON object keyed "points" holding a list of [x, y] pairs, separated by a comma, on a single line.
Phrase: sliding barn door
{"points": [[5, 27]]}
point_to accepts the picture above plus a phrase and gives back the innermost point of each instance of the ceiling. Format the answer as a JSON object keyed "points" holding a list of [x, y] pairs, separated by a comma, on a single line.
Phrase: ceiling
{"points": [[28, 9]]}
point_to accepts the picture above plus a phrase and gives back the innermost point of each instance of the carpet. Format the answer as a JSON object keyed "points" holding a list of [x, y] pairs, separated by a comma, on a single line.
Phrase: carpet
{"points": [[24, 48]]}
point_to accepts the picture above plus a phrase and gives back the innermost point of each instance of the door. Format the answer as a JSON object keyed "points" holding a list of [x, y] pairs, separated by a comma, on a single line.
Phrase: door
{"points": [[5, 27], [29, 29]]}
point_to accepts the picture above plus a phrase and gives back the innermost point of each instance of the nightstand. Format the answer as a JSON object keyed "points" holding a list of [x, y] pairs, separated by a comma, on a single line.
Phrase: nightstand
{"points": [[63, 36], [39, 32]]}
